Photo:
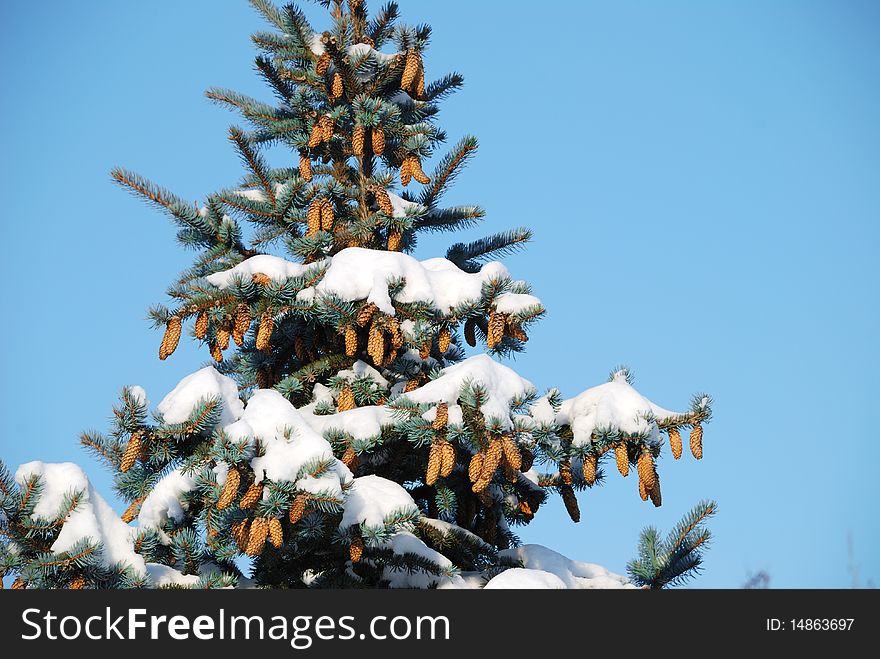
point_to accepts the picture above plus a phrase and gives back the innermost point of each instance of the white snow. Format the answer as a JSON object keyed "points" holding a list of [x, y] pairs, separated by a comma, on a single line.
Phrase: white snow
{"points": [[361, 369], [93, 518], [404, 542], [522, 578], [315, 44], [178, 405], [360, 50], [403, 207], [614, 406], [273, 267], [164, 503], [371, 499], [138, 393], [513, 303], [572, 574], [289, 443], [163, 575], [361, 423], [502, 385]]}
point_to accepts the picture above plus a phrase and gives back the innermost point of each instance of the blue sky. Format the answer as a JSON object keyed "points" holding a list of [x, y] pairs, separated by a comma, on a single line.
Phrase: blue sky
{"points": [[703, 180]]}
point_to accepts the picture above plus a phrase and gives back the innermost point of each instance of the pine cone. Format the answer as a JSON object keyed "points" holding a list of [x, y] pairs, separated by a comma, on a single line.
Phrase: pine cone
{"points": [[365, 315], [511, 452], [419, 87], [378, 140], [434, 462], [383, 201], [675, 442], [358, 138], [327, 215], [323, 64], [261, 279], [411, 385], [396, 334], [297, 508], [317, 135], [251, 496], [425, 350], [571, 502], [495, 330], [351, 341], [442, 417], [276, 535], [394, 241], [18, 584], [591, 463], [264, 332], [230, 488], [346, 400], [257, 536], [654, 492], [242, 323], [476, 467], [299, 348], [417, 172], [305, 168], [336, 89], [216, 353], [620, 452], [444, 340], [77, 583], [645, 467], [327, 125], [410, 70], [491, 460], [406, 171], [313, 216], [643, 492], [240, 532], [516, 331], [697, 442], [132, 511], [447, 458], [376, 344], [223, 337], [132, 449], [171, 337], [470, 332], [356, 549], [565, 474], [350, 459], [528, 459], [526, 509], [202, 325]]}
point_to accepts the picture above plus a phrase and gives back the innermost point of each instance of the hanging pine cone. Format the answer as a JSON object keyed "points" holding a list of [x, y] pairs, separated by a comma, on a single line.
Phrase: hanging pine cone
{"points": [[261, 279], [410, 70], [526, 509], [276, 535], [447, 458], [132, 449], [434, 463], [643, 492], [491, 460], [202, 325], [475, 468], [417, 172], [241, 323], [328, 216], [240, 532], [251, 496], [383, 201], [654, 492], [622, 456], [299, 348], [528, 459], [425, 350], [327, 126], [264, 332], [317, 135], [419, 86], [350, 458], [697, 442], [516, 331], [394, 241], [257, 535], [230, 488], [591, 463], [358, 139], [297, 508], [571, 502], [305, 168], [406, 171], [323, 64], [565, 474], [171, 337], [512, 456], [77, 583], [365, 315], [216, 353], [346, 401], [376, 344], [496, 329], [336, 89], [18, 584], [470, 332], [223, 337], [378, 140], [444, 340], [675, 442], [356, 549], [351, 341], [442, 417], [132, 511], [645, 467], [396, 333]]}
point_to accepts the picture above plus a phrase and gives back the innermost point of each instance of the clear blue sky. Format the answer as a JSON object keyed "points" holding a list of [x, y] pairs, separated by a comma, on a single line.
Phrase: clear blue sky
{"points": [[703, 179]]}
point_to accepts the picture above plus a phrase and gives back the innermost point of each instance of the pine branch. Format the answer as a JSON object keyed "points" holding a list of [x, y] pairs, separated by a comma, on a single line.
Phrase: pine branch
{"points": [[469, 256], [447, 170], [254, 162]]}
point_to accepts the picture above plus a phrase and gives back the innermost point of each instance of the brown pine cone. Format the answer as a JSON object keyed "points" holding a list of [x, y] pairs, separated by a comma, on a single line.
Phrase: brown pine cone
{"points": [[251, 496], [512, 456], [350, 459], [476, 467], [571, 502], [230, 488], [417, 172], [170, 338], [356, 549], [337, 89], [675, 442], [297, 508], [496, 329], [351, 341], [434, 463], [565, 474], [242, 323], [132, 450], [470, 332], [442, 417], [305, 168], [276, 535], [697, 442], [317, 135], [378, 140], [622, 457], [323, 64], [346, 401], [447, 458], [240, 532], [394, 241], [591, 463], [202, 325], [257, 535], [410, 70], [328, 215], [444, 340], [365, 315], [264, 332], [358, 139]]}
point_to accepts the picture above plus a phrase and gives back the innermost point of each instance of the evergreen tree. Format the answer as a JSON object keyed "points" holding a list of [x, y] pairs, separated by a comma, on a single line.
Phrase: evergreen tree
{"points": [[340, 437]]}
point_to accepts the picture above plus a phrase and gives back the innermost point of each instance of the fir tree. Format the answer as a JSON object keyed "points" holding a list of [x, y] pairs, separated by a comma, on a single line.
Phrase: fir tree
{"points": [[341, 437]]}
